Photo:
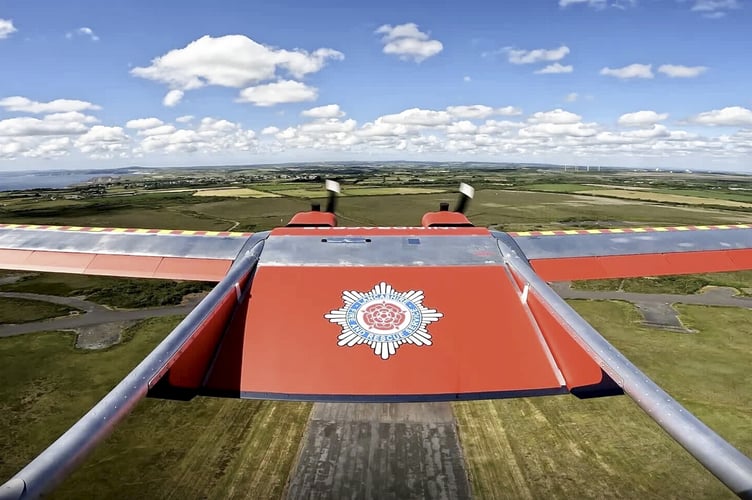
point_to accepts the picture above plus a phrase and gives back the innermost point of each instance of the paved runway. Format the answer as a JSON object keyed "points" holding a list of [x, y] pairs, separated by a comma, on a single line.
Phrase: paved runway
{"points": [[380, 451]]}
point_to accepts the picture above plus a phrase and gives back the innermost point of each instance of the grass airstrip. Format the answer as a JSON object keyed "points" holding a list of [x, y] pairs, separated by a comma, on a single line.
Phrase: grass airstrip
{"points": [[523, 448]]}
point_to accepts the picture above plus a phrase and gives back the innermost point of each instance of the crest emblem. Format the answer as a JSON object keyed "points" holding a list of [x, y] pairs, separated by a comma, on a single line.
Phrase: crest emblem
{"points": [[383, 319]]}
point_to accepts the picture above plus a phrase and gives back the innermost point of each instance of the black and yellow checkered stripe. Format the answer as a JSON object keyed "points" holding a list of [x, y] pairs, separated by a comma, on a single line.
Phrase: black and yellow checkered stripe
{"points": [[628, 230], [120, 230]]}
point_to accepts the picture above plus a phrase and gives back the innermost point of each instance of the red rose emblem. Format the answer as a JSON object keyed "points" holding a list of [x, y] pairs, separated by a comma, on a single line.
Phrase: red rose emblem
{"points": [[383, 316]]}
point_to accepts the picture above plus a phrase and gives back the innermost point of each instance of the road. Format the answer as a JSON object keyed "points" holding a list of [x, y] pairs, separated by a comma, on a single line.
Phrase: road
{"points": [[657, 308], [93, 314]]}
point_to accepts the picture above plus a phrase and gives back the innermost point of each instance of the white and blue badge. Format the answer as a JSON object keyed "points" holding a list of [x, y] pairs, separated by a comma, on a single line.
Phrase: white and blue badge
{"points": [[383, 319]]}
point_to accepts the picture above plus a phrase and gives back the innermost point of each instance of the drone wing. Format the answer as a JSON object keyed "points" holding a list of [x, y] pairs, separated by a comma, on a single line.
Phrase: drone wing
{"points": [[133, 253], [633, 252]]}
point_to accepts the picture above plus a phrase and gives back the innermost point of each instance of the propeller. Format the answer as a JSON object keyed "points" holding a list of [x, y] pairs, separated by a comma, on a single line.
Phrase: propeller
{"points": [[333, 190], [466, 194]]}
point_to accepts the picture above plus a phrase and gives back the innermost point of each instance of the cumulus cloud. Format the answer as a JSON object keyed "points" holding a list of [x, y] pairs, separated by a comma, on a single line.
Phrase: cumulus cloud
{"points": [[554, 69], [631, 71], [83, 31], [520, 56], [677, 71], [25, 105], [730, 116], [408, 42], [234, 61], [144, 123], [714, 9], [103, 142], [328, 111], [556, 116], [481, 111], [598, 4], [278, 92], [641, 118], [69, 123], [209, 136], [418, 117], [159, 130], [173, 97], [184, 118], [572, 97], [49, 148], [6, 28], [462, 131]]}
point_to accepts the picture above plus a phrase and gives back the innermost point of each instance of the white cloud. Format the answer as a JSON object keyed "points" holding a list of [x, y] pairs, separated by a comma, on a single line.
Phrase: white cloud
{"points": [[598, 4], [714, 9], [103, 142], [463, 127], [328, 111], [329, 125], [466, 78], [84, 31], [184, 118], [519, 56], [209, 136], [572, 97], [144, 123], [233, 61], [472, 112], [172, 98], [641, 118], [6, 28], [49, 148], [559, 129], [477, 111], [408, 42], [508, 111], [730, 116], [554, 69], [277, 93], [557, 116], [456, 132], [418, 117], [677, 71], [624, 4], [159, 130], [631, 71], [25, 105], [69, 123]]}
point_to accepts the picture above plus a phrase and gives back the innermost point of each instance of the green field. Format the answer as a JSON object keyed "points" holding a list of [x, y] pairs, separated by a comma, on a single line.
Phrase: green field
{"points": [[207, 448], [559, 187], [526, 448], [116, 292], [13, 310], [740, 280], [553, 447]]}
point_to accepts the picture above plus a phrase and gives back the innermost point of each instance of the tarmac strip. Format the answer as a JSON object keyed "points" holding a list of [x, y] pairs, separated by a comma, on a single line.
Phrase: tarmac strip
{"points": [[380, 451]]}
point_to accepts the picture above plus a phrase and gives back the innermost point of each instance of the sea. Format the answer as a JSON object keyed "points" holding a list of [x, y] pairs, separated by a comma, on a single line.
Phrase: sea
{"points": [[11, 181]]}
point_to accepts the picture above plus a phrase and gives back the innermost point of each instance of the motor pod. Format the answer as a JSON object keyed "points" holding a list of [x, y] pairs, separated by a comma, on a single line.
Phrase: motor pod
{"points": [[467, 192], [333, 189]]}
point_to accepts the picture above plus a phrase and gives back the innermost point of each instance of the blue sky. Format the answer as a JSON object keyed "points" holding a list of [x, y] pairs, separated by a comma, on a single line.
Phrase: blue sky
{"points": [[650, 83]]}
